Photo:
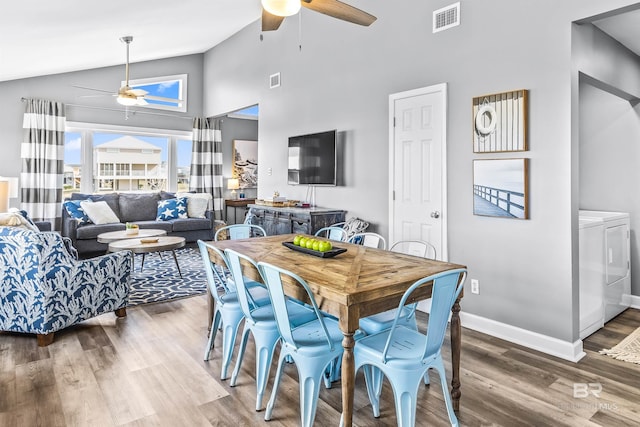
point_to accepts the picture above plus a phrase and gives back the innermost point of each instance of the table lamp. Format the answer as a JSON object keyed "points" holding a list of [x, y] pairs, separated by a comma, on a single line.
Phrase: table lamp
{"points": [[233, 184], [4, 194]]}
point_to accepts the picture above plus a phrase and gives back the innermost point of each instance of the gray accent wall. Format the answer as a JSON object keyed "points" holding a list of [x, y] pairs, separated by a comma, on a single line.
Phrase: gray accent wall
{"points": [[341, 79]]}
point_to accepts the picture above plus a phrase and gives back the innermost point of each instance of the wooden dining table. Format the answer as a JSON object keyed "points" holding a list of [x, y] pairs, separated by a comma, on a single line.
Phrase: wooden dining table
{"points": [[354, 284]]}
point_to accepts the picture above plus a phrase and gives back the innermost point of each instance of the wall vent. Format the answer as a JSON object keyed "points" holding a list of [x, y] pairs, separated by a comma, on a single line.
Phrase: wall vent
{"points": [[274, 80], [446, 18]]}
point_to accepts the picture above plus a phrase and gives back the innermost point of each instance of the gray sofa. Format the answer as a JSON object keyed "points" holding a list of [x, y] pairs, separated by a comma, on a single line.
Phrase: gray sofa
{"points": [[138, 208]]}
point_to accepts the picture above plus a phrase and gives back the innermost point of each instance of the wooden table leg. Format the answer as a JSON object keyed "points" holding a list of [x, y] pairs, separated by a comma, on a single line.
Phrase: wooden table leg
{"points": [[348, 379], [456, 344]]}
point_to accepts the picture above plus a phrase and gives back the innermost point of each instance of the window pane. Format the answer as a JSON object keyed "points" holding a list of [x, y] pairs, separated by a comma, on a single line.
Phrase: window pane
{"points": [[72, 163], [129, 162], [183, 163]]}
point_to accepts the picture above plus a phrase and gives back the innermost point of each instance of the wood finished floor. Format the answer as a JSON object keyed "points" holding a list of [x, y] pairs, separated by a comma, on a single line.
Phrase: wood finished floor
{"points": [[147, 370]]}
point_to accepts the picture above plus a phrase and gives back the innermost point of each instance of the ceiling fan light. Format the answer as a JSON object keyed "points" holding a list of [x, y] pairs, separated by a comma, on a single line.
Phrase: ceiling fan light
{"points": [[127, 100], [281, 7]]}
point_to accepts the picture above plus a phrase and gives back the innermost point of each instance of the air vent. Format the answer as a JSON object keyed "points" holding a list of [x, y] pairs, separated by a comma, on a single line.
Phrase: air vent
{"points": [[274, 80], [447, 17]]}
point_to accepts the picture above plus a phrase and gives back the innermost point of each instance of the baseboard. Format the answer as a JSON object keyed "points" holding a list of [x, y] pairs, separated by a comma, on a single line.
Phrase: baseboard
{"points": [[635, 301], [565, 350]]}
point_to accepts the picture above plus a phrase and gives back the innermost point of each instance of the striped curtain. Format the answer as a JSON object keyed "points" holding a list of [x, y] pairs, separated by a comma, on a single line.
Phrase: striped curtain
{"points": [[42, 155], [206, 161]]}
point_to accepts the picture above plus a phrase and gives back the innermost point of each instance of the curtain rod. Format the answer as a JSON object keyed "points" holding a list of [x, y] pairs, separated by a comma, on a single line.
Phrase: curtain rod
{"points": [[132, 112]]}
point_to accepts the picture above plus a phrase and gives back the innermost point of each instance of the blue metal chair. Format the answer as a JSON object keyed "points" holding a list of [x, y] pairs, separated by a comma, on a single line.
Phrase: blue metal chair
{"points": [[227, 313], [379, 322], [404, 355], [338, 234], [369, 239], [312, 346], [261, 323], [239, 231]]}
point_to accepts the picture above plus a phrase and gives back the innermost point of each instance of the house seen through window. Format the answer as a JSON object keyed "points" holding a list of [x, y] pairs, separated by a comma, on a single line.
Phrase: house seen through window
{"points": [[97, 161]]}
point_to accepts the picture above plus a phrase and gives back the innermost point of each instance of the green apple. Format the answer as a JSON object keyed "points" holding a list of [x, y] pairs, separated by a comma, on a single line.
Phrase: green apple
{"points": [[309, 243], [316, 245], [296, 240], [303, 242], [325, 246]]}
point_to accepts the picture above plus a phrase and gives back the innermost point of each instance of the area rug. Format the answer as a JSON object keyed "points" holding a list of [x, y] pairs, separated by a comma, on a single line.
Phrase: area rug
{"points": [[627, 350], [160, 280]]}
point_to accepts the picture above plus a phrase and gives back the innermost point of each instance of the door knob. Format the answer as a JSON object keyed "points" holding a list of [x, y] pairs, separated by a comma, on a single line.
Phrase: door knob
{"points": [[435, 214]]}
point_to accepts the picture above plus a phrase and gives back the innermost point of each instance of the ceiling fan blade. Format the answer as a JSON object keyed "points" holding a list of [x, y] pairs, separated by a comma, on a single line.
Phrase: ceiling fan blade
{"points": [[339, 10], [270, 22], [92, 88]]}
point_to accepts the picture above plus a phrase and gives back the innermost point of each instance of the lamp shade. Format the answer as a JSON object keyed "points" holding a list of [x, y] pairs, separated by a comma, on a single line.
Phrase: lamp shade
{"points": [[13, 188], [127, 100], [233, 184], [4, 195], [281, 7]]}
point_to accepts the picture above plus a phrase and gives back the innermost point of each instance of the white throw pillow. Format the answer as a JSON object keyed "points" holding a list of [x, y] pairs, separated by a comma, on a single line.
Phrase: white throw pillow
{"points": [[197, 203], [99, 212]]}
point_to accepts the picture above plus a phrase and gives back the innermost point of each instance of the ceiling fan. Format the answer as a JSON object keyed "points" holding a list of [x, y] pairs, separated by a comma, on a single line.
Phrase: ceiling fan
{"points": [[274, 11], [126, 95]]}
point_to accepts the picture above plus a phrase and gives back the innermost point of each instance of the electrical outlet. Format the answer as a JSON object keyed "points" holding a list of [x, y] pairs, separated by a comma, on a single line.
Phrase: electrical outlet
{"points": [[475, 286]]}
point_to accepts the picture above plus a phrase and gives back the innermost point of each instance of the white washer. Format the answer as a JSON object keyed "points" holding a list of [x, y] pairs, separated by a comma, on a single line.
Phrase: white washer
{"points": [[591, 237], [615, 259]]}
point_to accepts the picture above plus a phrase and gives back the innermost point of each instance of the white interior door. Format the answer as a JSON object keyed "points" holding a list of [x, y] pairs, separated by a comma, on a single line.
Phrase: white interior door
{"points": [[418, 167]]}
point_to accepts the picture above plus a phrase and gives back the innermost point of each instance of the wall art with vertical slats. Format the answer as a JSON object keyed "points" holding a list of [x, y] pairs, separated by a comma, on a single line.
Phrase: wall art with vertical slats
{"points": [[500, 122]]}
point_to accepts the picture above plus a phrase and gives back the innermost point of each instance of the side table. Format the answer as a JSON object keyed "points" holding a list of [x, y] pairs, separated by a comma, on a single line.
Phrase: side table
{"points": [[235, 204]]}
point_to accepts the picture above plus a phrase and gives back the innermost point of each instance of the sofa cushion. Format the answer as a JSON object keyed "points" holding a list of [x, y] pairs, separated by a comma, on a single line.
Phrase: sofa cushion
{"points": [[172, 209], [138, 206], [197, 203], [99, 212], [110, 198], [91, 231], [191, 224], [76, 212]]}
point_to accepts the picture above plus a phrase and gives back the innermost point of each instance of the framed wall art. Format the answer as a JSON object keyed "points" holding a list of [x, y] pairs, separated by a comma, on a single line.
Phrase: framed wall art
{"points": [[245, 163], [500, 122], [500, 188]]}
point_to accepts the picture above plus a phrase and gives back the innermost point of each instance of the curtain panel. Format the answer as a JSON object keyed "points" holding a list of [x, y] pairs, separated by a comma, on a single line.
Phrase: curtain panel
{"points": [[206, 161], [42, 155]]}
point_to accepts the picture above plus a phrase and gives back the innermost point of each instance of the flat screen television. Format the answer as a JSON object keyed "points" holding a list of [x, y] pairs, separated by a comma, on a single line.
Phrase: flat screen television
{"points": [[312, 159]]}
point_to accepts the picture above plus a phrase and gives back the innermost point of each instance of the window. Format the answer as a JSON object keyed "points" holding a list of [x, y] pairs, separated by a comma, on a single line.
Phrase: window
{"points": [[119, 158], [164, 93]]}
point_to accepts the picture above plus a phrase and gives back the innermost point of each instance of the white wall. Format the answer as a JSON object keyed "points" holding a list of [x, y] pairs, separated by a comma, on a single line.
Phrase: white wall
{"points": [[342, 79]]}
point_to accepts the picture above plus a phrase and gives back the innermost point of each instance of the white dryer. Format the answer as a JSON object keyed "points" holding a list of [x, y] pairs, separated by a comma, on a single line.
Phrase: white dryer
{"points": [[591, 237], [615, 258]]}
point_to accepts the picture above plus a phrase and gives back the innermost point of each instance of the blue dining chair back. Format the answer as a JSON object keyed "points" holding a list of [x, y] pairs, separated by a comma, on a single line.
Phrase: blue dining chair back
{"points": [[338, 234], [239, 231], [259, 322], [405, 355], [312, 346], [227, 313]]}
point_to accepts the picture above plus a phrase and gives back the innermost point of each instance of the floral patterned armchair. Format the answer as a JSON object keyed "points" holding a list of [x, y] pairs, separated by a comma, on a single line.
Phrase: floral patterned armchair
{"points": [[44, 289]]}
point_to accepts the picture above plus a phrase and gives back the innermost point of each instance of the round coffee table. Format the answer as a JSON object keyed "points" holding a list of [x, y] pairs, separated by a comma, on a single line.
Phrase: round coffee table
{"points": [[113, 236], [161, 243]]}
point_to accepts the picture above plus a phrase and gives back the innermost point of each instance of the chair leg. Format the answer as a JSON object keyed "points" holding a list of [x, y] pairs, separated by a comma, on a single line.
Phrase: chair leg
{"points": [[121, 312], [276, 385], [439, 366], [212, 335], [265, 345], [373, 380], [310, 379], [240, 356], [405, 393], [44, 339], [230, 323]]}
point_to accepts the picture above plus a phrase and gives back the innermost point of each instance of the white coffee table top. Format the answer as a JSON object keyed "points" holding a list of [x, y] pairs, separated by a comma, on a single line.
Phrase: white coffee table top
{"points": [[163, 243], [113, 236]]}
